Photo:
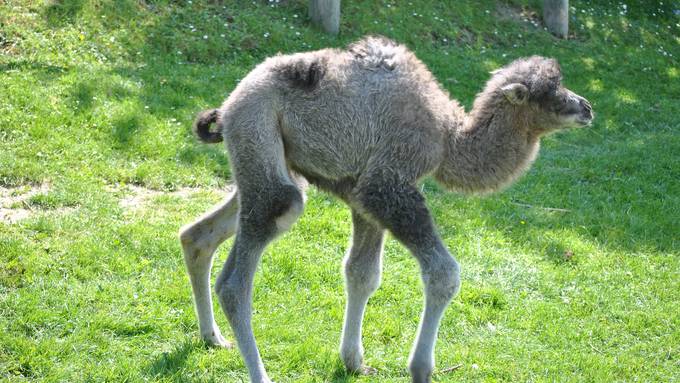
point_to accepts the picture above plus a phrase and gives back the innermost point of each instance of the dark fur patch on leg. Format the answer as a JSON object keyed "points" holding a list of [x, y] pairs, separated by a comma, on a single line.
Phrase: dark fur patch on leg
{"points": [[304, 75], [401, 209], [258, 215]]}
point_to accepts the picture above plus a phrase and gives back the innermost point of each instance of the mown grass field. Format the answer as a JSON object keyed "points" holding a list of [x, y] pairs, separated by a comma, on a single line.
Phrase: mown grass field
{"points": [[571, 275]]}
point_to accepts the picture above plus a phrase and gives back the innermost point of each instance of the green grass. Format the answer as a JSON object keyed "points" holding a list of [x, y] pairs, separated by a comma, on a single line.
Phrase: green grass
{"points": [[96, 103]]}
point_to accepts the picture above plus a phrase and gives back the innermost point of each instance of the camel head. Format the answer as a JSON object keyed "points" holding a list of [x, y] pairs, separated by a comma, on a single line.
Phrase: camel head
{"points": [[533, 87]]}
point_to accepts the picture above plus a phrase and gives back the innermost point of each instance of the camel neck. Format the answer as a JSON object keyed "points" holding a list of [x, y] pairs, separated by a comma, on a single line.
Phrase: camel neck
{"points": [[490, 150]]}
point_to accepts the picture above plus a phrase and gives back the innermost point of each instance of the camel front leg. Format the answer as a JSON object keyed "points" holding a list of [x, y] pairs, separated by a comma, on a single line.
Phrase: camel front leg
{"points": [[441, 278], [362, 276], [401, 209]]}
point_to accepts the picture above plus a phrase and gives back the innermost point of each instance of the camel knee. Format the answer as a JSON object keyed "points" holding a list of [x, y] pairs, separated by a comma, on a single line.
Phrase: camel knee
{"points": [[187, 236], [190, 238], [362, 277], [442, 280], [202, 237]]}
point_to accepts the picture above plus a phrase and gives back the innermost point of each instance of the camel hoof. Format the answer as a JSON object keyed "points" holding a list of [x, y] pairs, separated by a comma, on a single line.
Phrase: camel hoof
{"points": [[367, 370], [421, 378], [215, 339]]}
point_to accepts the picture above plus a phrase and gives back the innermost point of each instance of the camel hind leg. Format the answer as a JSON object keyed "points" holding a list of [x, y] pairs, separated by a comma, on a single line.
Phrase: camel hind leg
{"points": [[265, 214], [270, 202], [199, 242]]}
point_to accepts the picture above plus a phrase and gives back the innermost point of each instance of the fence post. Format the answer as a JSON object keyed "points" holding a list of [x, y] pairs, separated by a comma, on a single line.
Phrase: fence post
{"points": [[326, 14], [556, 17]]}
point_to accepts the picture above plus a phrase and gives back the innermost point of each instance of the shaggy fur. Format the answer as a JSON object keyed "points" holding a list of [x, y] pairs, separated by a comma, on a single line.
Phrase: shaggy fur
{"points": [[202, 126], [365, 124]]}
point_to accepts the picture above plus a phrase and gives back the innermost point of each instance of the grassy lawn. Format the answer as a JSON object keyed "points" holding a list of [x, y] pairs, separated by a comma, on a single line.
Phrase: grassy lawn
{"points": [[571, 275]]}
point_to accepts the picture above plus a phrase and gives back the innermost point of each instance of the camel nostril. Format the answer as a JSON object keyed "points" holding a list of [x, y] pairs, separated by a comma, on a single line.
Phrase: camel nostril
{"points": [[586, 105], [587, 111]]}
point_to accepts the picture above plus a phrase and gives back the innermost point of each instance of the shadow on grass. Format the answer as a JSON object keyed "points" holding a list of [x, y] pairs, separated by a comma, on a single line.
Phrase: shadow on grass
{"points": [[60, 12], [32, 65], [169, 363], [128, 329], [340, 374], [125, 127]]}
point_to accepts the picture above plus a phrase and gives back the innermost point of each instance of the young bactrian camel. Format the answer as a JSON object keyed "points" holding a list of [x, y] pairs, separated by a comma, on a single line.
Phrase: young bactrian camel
{"points": [[365, 124]]}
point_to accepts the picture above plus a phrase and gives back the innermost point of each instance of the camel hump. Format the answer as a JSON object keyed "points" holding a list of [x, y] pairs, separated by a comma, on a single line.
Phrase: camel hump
{"points": [[376, 52]]}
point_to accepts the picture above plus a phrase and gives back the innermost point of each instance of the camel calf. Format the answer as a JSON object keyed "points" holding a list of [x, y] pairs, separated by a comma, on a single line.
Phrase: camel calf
{"points": [[366, 124]]}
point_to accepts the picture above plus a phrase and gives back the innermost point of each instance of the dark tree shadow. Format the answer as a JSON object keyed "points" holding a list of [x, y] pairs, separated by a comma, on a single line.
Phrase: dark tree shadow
{"points": [[60, 12]]}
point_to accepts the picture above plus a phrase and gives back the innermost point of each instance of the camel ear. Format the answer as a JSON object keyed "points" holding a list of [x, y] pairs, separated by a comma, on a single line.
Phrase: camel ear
{"points": [[516, 93]]}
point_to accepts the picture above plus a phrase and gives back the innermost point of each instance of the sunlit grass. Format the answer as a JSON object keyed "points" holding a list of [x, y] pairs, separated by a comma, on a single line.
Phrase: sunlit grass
{"points": [[570, 275]]}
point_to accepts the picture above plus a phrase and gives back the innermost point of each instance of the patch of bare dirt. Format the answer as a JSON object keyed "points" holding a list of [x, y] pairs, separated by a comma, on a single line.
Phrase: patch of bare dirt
{"points": [[14, 205], [135, 197]]}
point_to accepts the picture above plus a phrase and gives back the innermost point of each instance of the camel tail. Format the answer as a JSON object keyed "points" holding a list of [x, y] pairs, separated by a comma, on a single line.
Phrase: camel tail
{"points": [[202, 127]]}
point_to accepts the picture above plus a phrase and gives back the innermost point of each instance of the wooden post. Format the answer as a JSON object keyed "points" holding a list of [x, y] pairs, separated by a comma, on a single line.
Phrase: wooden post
{"points": [[326, 14], [556, 17]]}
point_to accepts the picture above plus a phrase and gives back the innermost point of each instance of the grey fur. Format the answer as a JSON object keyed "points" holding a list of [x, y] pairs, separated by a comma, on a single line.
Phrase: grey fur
{"points": [[366, 124]]}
